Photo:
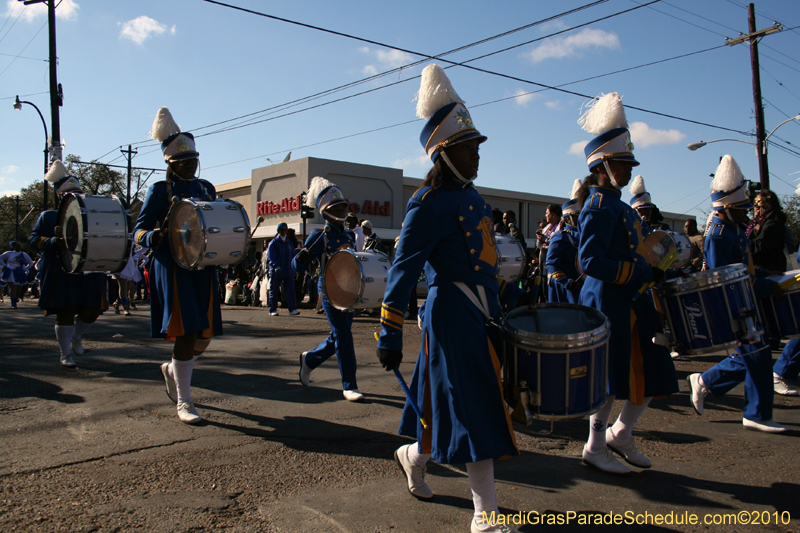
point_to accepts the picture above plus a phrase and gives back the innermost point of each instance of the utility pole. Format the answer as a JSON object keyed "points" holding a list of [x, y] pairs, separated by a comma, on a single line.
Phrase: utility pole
{"points": [[16, 231], [129, 153], [752, 38]]}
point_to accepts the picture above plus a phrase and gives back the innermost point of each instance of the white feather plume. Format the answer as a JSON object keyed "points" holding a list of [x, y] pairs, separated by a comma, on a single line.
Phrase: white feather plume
{"points": [[318, 184], [576, 188], [728, 175], [603, 114], [164, 125], [637, 186], [435, 92], [56, 172]]}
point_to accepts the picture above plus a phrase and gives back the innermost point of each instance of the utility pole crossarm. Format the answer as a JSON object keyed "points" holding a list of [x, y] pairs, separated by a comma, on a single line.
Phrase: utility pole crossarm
{"points": [[755, 35]]}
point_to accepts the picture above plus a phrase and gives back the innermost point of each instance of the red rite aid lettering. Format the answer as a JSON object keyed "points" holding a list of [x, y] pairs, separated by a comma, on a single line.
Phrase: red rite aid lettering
{"points": [[286, 205], [372, 208]]}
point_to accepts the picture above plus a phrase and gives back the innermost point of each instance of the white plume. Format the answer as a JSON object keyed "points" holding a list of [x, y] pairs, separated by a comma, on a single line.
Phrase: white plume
{"points": [[637, 186], [435, 92], [728, 175], [603, 114], [318, 184], [164, 125], [576, 187], [56, 172]]}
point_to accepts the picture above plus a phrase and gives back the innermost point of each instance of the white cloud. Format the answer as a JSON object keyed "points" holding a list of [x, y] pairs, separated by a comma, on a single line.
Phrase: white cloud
{"points": [[644, 136], [552, 25], [553, 104], [577, 148], [65, 10], [422, 161], [141, 28], [386, 60], [523, 98], [10, 169], [573, 45]]}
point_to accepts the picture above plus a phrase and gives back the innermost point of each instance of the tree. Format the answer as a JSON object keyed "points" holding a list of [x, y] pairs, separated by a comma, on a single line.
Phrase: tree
{"points": [[791, 207], [95, 179]]}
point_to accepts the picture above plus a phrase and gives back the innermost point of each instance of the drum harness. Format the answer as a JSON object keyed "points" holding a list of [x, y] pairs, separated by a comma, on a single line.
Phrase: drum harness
{"points": [[480, 301]]}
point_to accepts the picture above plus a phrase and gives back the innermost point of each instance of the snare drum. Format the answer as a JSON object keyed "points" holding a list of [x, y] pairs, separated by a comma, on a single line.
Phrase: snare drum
{"points": [[356, 280], [96, 233], [557, 360], [711, 310], [208, 233], [510, 258], [781, 315]]}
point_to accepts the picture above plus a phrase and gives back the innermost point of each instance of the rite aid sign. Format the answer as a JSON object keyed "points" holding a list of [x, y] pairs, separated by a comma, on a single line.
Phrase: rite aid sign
{"points": [[288, 205]]}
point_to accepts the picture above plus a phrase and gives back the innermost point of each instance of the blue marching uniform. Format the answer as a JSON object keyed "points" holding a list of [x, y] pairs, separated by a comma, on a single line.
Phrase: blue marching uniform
{"points": [[340, 342], [788, 364], [448, 232], [57, 287], [727, 244], [562, 266], [181, 300], [15, 266], [279, 256], [611, 254]]}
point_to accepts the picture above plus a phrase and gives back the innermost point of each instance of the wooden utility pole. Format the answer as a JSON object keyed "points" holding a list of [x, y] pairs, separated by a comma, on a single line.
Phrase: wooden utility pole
{"points": [[129, 153], [752, 38]]}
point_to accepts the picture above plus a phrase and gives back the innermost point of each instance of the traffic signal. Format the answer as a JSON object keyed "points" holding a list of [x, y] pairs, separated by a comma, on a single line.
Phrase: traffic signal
{"points": [[305, 211]]}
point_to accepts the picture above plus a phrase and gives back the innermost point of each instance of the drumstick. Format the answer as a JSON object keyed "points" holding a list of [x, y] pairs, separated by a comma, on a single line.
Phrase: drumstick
{"points": [[402, 381], [785, 284]]}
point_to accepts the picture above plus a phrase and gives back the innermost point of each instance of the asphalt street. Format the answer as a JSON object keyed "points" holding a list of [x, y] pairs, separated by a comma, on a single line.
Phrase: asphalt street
{"points": [[101, 448]]}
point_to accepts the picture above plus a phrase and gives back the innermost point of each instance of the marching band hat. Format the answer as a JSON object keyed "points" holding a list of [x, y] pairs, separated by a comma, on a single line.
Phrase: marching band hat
{"points": [[641, 198], [323, 194], [61, 179], [571, 206], [449, 121], [605, 119], [175, 144], [729, 188]]}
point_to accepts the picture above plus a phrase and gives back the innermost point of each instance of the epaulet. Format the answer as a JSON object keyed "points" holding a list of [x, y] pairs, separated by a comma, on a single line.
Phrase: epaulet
{"points": [[595, 200], [422, 193]]}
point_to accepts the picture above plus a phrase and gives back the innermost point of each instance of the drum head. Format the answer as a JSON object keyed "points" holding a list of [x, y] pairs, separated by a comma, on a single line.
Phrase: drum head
{"points": [[557, 326], [71, 253], [343, 280], [186, 237], [657, 245]]}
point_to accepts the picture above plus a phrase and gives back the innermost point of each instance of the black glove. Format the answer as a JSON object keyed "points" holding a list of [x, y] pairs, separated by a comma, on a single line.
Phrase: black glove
{"points": [[777, 291], [302, 255], [525, 299], [59, 231], [276, 271], [155, 238], [658, 275], [390, 358], [575, 284]]}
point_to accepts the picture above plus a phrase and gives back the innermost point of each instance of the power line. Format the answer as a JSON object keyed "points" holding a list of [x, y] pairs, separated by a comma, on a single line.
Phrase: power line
{"points": [[683, 20], [778, 81], [23, 49]]}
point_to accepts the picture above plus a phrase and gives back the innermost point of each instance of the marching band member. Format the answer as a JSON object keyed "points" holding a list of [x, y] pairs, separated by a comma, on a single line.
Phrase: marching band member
{"points": [[320, 245], [61, 293], [565, 280], [448, 231], [727, 244], [184, 304], [280, 253], [641, 200], [611, 255], [15, 265], [787, 368]]}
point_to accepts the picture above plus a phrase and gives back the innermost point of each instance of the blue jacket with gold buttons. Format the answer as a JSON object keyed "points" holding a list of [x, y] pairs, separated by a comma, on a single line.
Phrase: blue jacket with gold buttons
{"points": [[726, 244], [562, 265]]}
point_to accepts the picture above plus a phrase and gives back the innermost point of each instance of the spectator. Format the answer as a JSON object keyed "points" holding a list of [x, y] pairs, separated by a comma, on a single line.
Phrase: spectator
{"points": [[371, 240], [768, 236], [280, 253], [696, 238]]}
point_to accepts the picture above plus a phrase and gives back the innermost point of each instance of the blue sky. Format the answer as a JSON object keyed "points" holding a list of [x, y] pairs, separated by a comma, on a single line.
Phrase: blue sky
{"points": [[120, 61]]}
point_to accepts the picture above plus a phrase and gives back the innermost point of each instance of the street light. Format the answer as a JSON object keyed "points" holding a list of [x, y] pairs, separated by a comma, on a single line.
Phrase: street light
{"points": [[764, 178], [18, 106]]}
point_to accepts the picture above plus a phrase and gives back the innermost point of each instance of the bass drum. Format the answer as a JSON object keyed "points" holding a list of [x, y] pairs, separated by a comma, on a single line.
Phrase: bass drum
{"points": [[96, 233], [356, 280], [205, 233], [510, 258]]}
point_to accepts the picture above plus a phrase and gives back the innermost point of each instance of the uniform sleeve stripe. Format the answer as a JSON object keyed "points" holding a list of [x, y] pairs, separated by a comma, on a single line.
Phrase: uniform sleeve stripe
{"points": [[391, 324], [140, 236], [42, 241], [395, 318], [390, 308], [559, 275], [619, 272]]}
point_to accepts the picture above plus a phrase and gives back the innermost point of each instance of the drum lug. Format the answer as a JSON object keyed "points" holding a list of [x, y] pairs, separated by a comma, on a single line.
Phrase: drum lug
{"points": [[207, 207], [211, 255], [236, 253], [233, 207], [369, 280], [213, 230], [238, 229], [504, 259]]}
